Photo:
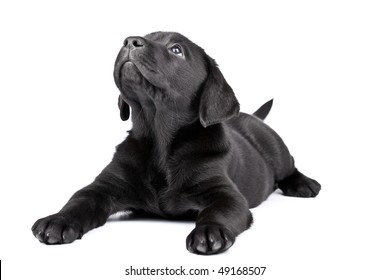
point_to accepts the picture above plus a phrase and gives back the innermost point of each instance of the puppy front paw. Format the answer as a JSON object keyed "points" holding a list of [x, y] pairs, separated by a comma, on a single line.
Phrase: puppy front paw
{"points": [[209, 239], [57, 229]]}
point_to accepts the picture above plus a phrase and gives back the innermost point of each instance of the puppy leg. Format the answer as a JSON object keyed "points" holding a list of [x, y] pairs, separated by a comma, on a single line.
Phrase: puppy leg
{"points": [[224, 215], [299, 185], [88, 208]]}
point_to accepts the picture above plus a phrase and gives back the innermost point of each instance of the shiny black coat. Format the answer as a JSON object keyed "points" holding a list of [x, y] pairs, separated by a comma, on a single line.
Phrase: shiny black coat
{"points": [[190, 153]]}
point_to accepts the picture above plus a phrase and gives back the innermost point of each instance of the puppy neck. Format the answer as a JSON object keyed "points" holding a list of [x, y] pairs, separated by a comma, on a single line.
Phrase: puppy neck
{"points": [[159, 124]]}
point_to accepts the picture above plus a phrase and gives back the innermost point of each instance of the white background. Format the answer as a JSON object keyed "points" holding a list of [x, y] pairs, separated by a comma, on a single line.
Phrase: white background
{"points": [[325, 63]]}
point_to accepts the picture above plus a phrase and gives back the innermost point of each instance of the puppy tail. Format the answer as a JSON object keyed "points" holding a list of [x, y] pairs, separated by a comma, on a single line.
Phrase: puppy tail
{"points": [[263, 111]]}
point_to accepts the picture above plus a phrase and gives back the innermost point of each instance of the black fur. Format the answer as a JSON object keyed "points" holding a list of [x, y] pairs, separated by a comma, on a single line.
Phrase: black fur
{"points": [[263, 111], [190, 152]]}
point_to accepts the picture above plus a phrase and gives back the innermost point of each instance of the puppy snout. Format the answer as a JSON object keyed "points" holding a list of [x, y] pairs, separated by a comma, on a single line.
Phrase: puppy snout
{"points": [[134, 42]]}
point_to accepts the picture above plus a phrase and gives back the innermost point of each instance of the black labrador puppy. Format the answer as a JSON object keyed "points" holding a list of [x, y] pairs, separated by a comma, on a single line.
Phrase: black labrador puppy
{"points": [[190, 153]]}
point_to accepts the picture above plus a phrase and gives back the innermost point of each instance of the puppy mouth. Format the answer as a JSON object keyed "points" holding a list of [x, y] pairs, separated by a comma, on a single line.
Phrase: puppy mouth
{"points": [[128, 64], [129, 71], [139, 67], [130, 75], [135, 69], [119, 72]]}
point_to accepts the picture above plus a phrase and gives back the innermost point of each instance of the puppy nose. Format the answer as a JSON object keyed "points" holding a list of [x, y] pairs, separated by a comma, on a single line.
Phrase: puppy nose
{"points": [[134, 42]]}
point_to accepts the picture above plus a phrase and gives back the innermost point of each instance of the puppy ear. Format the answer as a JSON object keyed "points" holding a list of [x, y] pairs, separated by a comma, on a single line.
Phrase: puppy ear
{"points": [[124, 109], [217, 100]]}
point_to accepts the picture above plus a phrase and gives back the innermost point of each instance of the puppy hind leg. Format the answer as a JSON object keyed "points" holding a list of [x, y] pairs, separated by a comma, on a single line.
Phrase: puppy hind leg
{"points": [[299, 185]]}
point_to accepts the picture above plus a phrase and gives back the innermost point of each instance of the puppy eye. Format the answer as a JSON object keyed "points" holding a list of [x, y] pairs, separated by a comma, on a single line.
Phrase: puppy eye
{"points": [[176, 49]]}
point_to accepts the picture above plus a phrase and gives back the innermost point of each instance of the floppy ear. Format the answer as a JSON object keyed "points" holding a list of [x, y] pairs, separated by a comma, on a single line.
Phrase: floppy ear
{"points": [[217, 100], [124, 109]]}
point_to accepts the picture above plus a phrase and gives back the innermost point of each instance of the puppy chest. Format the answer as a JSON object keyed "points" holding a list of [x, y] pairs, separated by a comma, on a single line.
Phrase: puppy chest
{"points": [[166, 199]]}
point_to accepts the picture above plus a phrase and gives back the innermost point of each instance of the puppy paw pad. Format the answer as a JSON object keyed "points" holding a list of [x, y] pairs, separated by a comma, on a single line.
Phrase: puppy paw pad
{"points": [[209, 239], [57, 229]]}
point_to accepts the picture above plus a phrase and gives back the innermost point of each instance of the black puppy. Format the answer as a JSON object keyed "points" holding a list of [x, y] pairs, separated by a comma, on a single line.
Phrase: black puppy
{"points": [[190, 152]]}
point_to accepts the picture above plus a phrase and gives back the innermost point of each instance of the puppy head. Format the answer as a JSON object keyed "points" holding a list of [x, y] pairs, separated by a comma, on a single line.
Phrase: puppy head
{"points": [[165, 69]]}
